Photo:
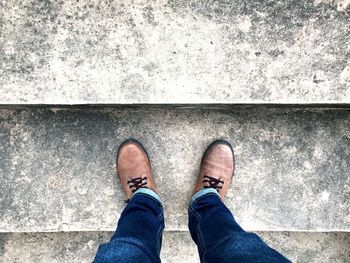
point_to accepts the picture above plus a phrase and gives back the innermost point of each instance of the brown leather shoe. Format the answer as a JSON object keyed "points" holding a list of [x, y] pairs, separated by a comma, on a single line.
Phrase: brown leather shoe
{"points": [[134, 168], [217, 167]]}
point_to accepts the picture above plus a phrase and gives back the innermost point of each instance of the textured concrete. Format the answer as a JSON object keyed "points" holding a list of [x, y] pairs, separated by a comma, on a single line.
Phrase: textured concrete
{"points": [[57, 166], [177, 247], [176, 51]]}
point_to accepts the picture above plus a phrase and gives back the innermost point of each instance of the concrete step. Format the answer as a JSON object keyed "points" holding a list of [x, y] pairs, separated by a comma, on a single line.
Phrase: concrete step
{"points": [[81, 247], [116, 52], [57, 165]]}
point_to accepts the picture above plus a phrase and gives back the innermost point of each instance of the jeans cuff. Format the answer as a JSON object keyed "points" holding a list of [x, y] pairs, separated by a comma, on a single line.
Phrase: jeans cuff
{"points": [[149, 192], [202, 192]]}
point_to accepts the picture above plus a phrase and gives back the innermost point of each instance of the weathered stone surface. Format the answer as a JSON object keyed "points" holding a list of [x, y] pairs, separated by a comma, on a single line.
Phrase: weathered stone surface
{"points": [[57, 166], [80, 247], [176, 51]]}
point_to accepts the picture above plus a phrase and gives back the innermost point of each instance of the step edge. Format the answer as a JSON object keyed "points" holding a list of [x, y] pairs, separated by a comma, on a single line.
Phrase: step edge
{"points": [[321, 106], [2, 231]]}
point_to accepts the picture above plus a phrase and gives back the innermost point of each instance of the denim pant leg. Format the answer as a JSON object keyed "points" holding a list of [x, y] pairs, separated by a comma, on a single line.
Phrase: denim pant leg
{"points": [[218, 236], [138, 237]]}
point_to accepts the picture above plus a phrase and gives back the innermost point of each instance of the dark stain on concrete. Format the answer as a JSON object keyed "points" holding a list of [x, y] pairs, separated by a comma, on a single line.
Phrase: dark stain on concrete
{"points": [[3, 240], [149, 16], [31, 39]]}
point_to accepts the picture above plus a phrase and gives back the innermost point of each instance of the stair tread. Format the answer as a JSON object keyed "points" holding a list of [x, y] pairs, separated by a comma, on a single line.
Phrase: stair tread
{"points": [[122, 52], [57, 166]]}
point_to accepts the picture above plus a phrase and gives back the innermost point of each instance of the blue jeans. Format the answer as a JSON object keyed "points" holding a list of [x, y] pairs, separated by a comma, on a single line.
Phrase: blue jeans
{"points": [[219, 238]]}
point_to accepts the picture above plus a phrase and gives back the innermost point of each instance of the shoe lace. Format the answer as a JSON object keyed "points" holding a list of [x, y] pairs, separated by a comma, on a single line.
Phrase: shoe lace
{"points": [[212, 182], [137, 183]]}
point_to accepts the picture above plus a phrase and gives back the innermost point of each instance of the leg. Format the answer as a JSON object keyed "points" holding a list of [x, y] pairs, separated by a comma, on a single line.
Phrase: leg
{"points": [[138, 237], [218, 236]]}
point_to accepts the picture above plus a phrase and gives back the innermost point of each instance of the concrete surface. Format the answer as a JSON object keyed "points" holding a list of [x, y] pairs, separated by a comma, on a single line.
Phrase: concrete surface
{"points": [[80, 247], [176, 51], [57, 166]]}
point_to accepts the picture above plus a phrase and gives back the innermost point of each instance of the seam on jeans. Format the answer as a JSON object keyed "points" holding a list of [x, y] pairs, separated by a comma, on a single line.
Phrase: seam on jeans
{"points": [[161, 216], [159, 235], [201, 239], [121, 219], [199, 233]]}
